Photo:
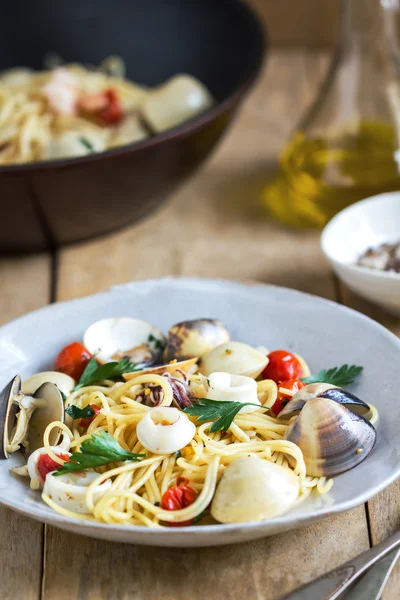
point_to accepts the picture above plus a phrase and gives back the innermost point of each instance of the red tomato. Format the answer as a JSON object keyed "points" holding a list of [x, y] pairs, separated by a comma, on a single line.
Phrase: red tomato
{"points": [[85, 422], [48, 465], [179, 497], [282, 366], [72, 360], [294, 385], [104, 107], [112, 112]]}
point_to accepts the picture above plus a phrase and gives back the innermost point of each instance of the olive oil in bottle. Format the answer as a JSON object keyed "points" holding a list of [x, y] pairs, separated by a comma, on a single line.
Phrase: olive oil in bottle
{"points": [[343, 151], [320, 176]]}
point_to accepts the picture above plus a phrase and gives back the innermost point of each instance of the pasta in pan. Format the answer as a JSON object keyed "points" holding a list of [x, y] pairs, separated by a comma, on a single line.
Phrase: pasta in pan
{"points": [[186, 442], [72, 110]]}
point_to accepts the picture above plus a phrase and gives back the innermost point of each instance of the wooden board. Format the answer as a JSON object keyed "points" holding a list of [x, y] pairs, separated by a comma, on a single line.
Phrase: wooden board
{"points": [[212, 228], [25, 287], [384, 509]]}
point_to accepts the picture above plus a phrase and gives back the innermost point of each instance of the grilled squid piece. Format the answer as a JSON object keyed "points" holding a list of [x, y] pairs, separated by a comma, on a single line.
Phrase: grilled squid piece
{"points": [[164, 430], [233, 388]]}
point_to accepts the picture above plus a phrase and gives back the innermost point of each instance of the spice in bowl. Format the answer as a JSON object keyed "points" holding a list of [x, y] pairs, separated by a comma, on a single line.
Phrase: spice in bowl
{"points": [[385, 257]]}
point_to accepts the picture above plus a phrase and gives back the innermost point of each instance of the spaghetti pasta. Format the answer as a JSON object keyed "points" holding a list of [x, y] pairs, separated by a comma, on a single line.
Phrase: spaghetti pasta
{"points": [[70, 110], [238, 435], [137, 487]]}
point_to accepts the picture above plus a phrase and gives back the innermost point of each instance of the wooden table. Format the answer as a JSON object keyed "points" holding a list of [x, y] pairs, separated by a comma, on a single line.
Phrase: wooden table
{"points": [[211, 228]]}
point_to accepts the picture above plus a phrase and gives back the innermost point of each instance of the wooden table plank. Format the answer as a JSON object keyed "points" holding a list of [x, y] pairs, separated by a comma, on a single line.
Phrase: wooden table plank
{"points": [[384, 509], [25, 286], [212, 228]]}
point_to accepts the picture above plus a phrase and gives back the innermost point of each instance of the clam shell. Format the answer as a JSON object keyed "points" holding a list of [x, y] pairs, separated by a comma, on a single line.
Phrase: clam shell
{"points": [[324, 390], [52, 410], [252, 489], [234, 358], [8, 411], [181, 98], [332, 438], [122, 335], [194, 338], [64, 382]]}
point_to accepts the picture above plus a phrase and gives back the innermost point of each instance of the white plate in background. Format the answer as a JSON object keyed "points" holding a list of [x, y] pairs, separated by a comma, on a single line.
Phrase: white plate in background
{"points": [[351, 232]]}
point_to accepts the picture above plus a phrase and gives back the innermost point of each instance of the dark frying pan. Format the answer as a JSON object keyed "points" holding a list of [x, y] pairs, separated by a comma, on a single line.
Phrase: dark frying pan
{"points": [[218, 41]]}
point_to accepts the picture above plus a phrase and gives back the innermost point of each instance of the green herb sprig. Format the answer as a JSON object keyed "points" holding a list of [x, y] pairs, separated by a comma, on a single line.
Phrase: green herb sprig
{"points": [[101, 449], [224, 412], [86, 143], [156, 342], [79, 413], [111, 370], [340, 376]]}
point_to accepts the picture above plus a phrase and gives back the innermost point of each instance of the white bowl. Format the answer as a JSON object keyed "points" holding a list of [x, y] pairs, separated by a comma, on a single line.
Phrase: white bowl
{"points": [[360, 226], [324, 332]]}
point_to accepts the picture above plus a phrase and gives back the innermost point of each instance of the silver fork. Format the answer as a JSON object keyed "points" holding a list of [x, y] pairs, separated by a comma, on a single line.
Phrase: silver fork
{"points": [[332, 585]]}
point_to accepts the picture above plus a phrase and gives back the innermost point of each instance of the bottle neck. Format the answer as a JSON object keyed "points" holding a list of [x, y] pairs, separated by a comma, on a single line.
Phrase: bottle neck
{"points": [[361, 24]]}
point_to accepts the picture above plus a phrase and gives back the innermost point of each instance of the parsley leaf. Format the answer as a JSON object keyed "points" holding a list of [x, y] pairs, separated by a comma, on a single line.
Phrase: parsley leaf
{"points": [[85, 142], [112, 370], [340, 376], [99, 450], [223, 412], [157, 343], [79, 413]]}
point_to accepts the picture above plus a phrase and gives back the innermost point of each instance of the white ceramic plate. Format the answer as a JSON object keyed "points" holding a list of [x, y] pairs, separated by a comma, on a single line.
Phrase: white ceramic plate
{"points": [[325, 333]]}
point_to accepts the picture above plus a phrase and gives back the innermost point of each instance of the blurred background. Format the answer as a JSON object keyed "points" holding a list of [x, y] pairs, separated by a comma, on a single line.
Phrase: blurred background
{"points": [[312, 23]]}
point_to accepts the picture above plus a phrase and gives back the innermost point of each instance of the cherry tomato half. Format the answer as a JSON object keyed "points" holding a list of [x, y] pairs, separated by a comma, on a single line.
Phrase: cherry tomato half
{"points": [[294, 385], [85, 422], [47, 465], [282, 366], [72, 360], [178, 497], [104, 107], [112, 112]]}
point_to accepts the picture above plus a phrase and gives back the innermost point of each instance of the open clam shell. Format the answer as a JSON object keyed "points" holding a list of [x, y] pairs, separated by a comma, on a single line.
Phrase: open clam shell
{"points": [[234, 358], [325, 390], [124, 337], [50, 408], [7, 414], [190, 339], [64, 382], [24, 418], [333, 439]]}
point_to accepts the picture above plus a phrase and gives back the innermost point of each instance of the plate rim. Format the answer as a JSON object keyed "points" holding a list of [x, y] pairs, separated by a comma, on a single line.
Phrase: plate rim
{"points": [[43, 514]]}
